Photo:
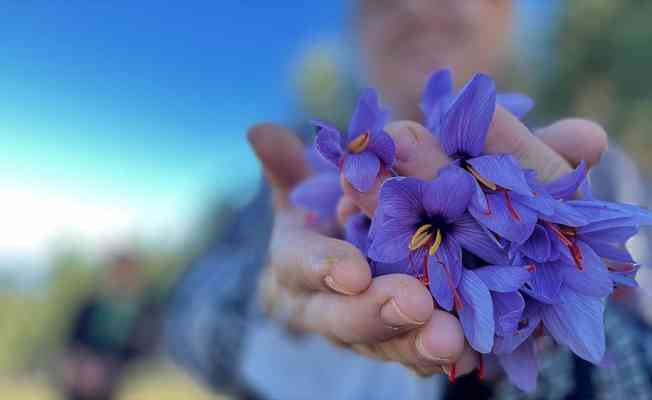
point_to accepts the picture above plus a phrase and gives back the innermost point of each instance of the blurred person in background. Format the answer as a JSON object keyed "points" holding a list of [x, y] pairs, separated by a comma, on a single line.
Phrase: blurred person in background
{"points": [[281, 321], [111, 329]]}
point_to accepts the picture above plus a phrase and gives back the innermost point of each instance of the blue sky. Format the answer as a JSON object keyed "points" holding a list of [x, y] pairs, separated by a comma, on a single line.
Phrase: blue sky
{"points": [[124, 118], [142, 105]]}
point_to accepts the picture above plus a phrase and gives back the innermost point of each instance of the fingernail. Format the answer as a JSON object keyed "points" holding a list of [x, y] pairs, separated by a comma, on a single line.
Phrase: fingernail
{"points": [[330, 282], [405, 144], [423, 352], [393, 317]]}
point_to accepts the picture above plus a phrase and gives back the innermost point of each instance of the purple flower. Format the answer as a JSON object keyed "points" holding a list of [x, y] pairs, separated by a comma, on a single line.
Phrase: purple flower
{"points": [[501, 190], [356, 231], [367, 147], [438, 97], [425, 226]]}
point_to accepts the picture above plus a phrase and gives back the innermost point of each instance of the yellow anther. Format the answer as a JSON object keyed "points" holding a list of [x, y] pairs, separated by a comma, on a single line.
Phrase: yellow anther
{"points": [[359, 144], [421, 237], [435, 246], [480, 178]]}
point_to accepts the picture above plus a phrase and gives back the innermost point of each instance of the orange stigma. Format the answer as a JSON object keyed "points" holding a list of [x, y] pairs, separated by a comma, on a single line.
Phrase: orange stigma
{"points": [[359, 144]]}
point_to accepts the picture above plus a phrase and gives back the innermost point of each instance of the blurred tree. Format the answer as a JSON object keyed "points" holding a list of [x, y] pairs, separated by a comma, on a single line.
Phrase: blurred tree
{"points": [[599, 69]]}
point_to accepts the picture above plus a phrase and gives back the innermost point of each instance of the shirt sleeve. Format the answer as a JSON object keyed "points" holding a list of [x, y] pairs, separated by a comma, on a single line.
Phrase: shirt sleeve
{"points": [[208, 313]]}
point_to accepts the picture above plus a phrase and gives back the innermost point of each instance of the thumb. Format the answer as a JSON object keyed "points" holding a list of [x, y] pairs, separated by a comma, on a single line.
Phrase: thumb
{"points": [[282, 155]]}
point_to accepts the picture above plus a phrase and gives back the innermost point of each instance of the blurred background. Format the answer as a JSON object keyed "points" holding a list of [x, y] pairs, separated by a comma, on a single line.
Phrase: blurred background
{"points": [[123, 150]]}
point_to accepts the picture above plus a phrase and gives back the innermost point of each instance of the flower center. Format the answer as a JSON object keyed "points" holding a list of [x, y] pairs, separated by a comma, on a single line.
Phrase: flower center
{"points": [[426, 236], [359, 144], [488, 184]]}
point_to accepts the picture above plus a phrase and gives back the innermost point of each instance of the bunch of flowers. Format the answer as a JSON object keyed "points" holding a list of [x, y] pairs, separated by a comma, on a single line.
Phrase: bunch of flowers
{"points": [[512, 257]]}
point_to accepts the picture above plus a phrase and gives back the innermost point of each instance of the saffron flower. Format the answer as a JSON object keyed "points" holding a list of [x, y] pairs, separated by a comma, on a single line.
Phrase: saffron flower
{"points": [[366, 149], [425, 225], [439, 95]]}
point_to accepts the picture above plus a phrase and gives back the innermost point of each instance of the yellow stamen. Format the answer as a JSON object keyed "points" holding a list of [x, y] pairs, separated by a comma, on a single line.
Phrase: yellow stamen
{"points": [[359, 144], [421, 237], [480, 178], [435, 246]]}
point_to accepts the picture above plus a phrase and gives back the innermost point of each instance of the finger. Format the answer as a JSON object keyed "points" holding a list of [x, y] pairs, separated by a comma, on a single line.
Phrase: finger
{"points": [[468, 361], [282, 155], [390, 306], [346, 208], [507, 135], [418, 154], [438, 343], [576, 140], [303, 260]]}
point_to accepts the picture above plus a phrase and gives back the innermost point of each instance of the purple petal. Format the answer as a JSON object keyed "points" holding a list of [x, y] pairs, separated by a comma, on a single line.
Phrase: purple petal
{"points": [[380, 269], [504, 171], [521, 366], [382, 145], [476, 313], [476, 239], [317, 163], [356, 231], [391, 240], [449, 194], [401, 198], [593, 280], [545, 282], [527, 325], [508, 310], [516, 103], [361, 170], [319, 194], [449, 256], [565, 214], [466, 123], [595, 210], [500, 278], [577, 322], [328, 142], [566, 186], [538, 246], [436, 98], [368, 116], [609, 250], [440, 285], [516, 228], [624, 274]]}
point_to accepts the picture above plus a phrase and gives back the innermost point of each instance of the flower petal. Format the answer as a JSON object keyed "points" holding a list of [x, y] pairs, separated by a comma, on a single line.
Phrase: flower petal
{"points": [[439, 285], [319, 194], [508, 310], [503, 221], [545, 282], [593, 279], [516, 103], [476, 314], [361, 170], [476, 239], [503, 278], [328, 142], [317, 163], [527, 325], [466, 123], [401, 198], [449, 194], [390, 241], [565, 214], [538, 246], [449, 256], [521, 366], [382, 145], [566, 186], [624, 274], [368, 115], [436, 98], [577, 322], [503, 170]]}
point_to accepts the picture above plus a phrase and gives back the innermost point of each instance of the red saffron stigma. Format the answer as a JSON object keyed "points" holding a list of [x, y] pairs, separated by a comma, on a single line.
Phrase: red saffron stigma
{"points": [[481, 371], [452, 376], [539, 331], [457, 300], [310, 219], [531, 268], [425, 277], [510, 206], [488, 210], [563, 232]]}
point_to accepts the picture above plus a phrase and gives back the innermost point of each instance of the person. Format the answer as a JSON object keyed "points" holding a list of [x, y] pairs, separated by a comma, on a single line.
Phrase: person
{"points": [[277, 311], [107, 333]]}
